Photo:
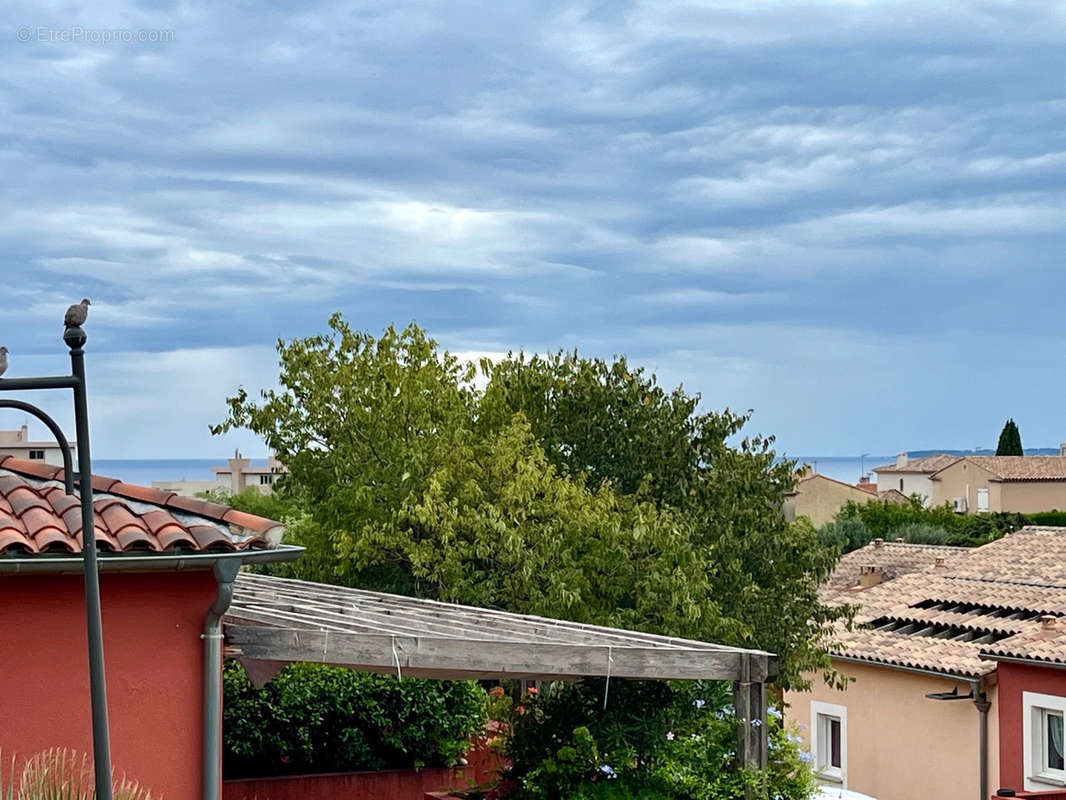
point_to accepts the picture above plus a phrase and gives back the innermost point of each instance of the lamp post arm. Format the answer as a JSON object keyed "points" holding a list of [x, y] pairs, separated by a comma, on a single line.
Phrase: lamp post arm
{"points": [[61, 439]]}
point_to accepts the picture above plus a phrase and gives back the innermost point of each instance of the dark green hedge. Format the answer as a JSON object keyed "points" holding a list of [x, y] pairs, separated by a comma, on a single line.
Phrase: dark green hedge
{"points": [[313, 718], [1047, 518]]}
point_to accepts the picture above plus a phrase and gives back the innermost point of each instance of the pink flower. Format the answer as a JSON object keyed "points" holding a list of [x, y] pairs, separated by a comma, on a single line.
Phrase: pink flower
{"points": [[670, 736]]}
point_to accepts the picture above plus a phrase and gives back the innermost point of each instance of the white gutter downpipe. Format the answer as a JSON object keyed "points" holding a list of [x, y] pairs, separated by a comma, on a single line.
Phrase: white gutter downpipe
{"points": [[225, 574]]}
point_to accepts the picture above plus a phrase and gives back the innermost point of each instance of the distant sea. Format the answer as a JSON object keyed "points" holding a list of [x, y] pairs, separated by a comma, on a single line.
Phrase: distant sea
{"points": [[143, 471], [844, 468]]}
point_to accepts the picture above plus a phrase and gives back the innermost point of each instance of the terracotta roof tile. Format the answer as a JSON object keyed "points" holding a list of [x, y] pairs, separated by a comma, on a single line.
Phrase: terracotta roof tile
{"points": [[41, 469], [101, 483], [1038, 643], [927, 464], [1023, 468], [893, 495], [1035, 555], [143, 493], [207, 538], [15, 542], [53, 539], [195, 505], [980, 604], [36, 516], [917, 652], [894, 559], [248, 521]]}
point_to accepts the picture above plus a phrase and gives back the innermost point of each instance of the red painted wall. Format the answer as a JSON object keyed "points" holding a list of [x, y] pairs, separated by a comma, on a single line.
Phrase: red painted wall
{"points": [[1013, 680], [483, 768], [154, 657]]}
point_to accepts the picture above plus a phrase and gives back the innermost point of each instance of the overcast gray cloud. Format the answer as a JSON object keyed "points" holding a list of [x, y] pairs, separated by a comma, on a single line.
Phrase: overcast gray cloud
{"points": [[845, 215]]}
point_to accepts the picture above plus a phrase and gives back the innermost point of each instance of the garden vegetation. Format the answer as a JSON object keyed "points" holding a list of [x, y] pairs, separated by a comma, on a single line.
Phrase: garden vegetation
{"points": [[557, 485]]}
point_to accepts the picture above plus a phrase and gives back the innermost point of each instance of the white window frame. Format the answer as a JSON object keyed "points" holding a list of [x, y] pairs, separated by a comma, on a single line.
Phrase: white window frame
{"points": [[819, 748], [982, 494], [1038, 778]]}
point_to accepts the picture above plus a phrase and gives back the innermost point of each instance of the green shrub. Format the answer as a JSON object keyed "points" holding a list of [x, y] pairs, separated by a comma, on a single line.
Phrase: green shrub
{"points": [[1055, 517], [669, 741], [857, 525], [921, 533], [845, 533], [316, 718], [980, 529]]}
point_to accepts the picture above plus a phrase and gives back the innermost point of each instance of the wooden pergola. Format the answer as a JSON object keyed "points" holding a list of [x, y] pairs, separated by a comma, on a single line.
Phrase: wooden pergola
{"points": [[275, 621]]}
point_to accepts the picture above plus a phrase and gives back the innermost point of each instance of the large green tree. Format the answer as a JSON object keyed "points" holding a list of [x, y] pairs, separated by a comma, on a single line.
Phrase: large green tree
{"points": [[562, 486], [1010, 440], [613, 424]]}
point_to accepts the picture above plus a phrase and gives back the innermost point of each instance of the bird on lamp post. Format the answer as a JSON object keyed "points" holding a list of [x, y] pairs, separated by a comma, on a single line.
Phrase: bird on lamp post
{"points": [[77, 314]]}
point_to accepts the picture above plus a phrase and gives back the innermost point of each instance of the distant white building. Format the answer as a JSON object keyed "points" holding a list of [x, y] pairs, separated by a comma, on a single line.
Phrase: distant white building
{"points": [[912, 476], [239, 474], [18, 444], [234, 478]]}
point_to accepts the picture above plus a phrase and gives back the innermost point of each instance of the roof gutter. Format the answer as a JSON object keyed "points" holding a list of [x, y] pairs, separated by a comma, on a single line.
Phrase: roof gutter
{"points": [[951, 676], [142, 562], [1027, 662]]}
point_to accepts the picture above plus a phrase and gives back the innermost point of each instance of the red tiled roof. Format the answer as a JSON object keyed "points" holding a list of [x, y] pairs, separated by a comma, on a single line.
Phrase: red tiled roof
{"points": [[926, 464], [37, 516]]}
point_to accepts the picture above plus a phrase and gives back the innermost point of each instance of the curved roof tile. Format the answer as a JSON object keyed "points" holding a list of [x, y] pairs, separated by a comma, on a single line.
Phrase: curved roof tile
{"points": [[37, 516]]}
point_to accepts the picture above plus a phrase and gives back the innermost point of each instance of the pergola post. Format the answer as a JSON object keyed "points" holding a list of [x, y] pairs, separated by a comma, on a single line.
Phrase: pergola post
{"points": [[749, 701]]}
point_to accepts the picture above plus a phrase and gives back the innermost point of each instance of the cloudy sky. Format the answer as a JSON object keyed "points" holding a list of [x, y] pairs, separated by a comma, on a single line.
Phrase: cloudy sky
{"points": [[848, 216]]}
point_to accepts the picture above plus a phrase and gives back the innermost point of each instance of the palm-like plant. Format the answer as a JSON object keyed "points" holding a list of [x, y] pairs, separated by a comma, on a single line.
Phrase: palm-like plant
{"points": [[61, 774]]}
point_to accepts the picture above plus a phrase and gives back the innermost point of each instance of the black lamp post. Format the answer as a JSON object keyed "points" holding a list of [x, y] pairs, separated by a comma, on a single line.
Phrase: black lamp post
{"points": [[74, 337]]}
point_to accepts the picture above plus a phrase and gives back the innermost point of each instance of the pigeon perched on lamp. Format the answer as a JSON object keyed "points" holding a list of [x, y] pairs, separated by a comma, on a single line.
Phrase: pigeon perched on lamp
{"points": [[3, 360], [77, 314]]}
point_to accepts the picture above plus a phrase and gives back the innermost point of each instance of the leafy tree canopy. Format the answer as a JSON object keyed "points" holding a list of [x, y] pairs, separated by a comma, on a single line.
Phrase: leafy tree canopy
{"points": [[558, 485]]}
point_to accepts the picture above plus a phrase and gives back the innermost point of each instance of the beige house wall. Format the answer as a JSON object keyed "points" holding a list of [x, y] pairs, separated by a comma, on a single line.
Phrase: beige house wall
{"points": [[901, 745], [819, 498], [963, 479], [1029, 496]]}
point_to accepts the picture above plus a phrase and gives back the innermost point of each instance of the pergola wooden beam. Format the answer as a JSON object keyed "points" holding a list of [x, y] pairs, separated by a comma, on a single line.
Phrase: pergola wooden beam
{"points": [[430, 656], [274, 621]]}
